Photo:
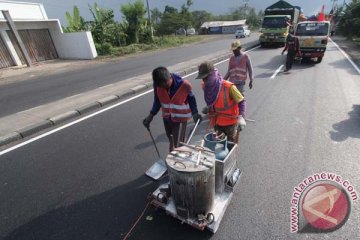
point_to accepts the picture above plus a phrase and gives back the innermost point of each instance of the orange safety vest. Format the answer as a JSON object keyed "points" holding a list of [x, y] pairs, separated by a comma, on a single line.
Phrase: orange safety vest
{"points": [[225, 111], [177, 107], [238, 71]]}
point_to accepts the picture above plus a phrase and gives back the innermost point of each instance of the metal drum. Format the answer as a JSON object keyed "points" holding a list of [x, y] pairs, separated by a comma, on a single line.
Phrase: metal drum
{"points": [[192, 180]]}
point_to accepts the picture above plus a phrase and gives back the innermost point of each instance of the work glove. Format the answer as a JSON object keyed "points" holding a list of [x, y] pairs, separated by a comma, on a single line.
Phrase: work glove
{"points": [[197, 117], [241, 123], [251, 84], [148, 120], [205, 110]]}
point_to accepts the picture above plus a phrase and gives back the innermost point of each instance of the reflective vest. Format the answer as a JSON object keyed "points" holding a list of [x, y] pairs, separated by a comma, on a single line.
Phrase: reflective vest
{"points": [[238, 70], [177, 107], [225, 111]]}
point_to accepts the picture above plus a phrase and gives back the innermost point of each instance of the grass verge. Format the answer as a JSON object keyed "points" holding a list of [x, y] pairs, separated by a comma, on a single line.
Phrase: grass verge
{"points": [[159, 43]]}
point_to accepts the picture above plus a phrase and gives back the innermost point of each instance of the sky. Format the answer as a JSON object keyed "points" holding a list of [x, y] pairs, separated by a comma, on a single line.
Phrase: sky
{"points": [[56, 9]]}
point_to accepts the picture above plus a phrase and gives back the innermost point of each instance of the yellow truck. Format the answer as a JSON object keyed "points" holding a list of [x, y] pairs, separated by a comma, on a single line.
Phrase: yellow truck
{"points": [[313, 38]]}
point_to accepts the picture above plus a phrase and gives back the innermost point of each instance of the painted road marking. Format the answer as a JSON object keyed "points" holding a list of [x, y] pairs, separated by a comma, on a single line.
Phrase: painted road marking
{"points": [[277, 71]]}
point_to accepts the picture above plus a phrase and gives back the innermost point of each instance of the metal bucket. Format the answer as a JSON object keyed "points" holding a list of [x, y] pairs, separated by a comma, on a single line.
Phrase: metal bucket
{"points": [[192, 185]]}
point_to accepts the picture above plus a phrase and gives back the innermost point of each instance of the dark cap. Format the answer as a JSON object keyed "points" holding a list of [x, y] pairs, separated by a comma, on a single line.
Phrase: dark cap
{"points": [[205, 69]]}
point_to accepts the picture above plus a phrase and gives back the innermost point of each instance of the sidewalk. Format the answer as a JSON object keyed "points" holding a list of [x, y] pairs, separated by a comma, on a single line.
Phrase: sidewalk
{"points": [[29, 122]]}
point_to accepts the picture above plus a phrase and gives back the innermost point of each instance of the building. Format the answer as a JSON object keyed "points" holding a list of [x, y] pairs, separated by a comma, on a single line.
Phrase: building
{"points": [[221, 27], [43, 38]]}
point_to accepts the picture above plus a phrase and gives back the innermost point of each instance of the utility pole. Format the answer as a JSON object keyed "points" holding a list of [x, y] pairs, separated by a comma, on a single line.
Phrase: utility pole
{"points": [[149, 16]]}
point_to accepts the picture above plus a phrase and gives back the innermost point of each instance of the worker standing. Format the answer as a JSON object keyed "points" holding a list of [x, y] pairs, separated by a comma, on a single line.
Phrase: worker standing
{"points": [[239, 68], [173, 95], [292, 47], [222, 98]]}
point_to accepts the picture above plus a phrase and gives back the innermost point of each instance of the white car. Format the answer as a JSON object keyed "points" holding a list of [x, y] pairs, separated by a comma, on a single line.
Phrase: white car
{"points": [[243, 31]]}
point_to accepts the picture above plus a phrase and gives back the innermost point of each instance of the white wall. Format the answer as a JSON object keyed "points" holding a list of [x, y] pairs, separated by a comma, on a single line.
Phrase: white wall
{"points": [[79, 45], [23, 11]]}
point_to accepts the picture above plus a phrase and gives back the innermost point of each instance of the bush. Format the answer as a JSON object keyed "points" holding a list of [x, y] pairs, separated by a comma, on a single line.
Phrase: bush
{"points": [[103, 49]]}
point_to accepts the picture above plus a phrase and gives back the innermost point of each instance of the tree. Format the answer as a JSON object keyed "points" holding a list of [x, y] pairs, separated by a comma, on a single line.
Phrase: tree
{"points": [[103, 26], [349, 19], [199, 17], [253, 19], [134, 16], [76, 23], [185, 15], [156, 16]]}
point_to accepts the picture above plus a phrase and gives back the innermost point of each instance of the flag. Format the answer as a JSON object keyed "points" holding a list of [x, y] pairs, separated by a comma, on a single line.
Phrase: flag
{"points": [[321, 16]]}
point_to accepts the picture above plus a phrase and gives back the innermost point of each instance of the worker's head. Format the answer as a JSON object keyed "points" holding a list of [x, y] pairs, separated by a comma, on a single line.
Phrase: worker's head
{"points": [[236, 47], [162, 77], [205, 69]]}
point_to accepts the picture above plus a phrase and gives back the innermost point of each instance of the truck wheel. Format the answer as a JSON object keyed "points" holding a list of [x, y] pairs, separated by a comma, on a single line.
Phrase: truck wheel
{"points": [[319, 59]]}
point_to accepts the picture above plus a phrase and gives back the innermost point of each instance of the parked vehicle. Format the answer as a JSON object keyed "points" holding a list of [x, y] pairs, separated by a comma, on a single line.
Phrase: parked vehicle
{"points": [[190, 31], [275, 26], [313, 38], [181, 31], [242, 32]]}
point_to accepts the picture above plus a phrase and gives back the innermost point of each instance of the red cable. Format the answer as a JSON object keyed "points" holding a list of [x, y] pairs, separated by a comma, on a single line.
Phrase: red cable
{"points": [[127, 235]]}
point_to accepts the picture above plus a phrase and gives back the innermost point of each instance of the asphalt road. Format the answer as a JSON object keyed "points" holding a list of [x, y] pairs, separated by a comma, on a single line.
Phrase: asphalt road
{"points": [[87, 180], [22, 95]]}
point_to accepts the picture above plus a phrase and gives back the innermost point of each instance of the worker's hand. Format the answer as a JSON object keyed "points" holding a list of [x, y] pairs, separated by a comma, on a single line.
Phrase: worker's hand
{"points": [[197, 117], [148, 120], [251, 84], [205, 110]]}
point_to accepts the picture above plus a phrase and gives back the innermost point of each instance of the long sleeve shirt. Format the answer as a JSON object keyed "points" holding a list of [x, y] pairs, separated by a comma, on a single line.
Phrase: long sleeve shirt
{"points": [[177, 81]]}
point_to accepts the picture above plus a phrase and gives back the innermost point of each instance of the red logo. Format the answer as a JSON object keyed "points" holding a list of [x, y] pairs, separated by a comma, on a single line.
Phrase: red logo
{"points": [[326, 207]]}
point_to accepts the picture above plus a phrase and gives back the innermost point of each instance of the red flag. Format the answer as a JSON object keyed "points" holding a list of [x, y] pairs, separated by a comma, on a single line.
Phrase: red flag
{"points": [[321, 16]]}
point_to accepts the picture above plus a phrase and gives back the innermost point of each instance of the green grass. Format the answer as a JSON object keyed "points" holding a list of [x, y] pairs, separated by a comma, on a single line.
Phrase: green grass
{"points": [[159, 43]]}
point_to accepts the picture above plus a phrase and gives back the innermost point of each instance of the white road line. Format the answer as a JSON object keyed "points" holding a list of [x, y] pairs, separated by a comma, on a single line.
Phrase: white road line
{"points": [[89, 116], [277, 71], [347, 56]]}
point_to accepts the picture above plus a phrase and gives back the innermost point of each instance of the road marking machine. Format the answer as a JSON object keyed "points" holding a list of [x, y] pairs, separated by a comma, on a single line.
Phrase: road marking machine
{"points": [[202, 180]]}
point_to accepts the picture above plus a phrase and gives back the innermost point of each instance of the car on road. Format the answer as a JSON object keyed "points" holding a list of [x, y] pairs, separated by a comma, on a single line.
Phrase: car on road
{"points": [[242, 32]]}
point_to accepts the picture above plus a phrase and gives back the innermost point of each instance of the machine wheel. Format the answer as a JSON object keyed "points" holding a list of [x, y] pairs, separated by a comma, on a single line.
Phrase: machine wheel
{"points": [[319, 59]]}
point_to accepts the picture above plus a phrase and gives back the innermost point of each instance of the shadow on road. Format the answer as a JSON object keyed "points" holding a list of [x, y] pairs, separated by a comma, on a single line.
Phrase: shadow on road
{"points": [[109, 215], [344, 64], [349, 128]]}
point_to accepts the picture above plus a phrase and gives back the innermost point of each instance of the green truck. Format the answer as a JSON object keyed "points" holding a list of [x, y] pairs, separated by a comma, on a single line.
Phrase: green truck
{"points": [[275, 24]]}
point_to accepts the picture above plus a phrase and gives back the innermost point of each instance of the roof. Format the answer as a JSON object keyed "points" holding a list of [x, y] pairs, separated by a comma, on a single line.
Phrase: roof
{"points": [[280, 4], [223, 23]]}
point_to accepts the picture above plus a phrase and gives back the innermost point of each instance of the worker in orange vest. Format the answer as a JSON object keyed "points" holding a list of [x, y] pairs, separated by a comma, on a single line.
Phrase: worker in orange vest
{"points": [[222, 99], [173, 95]]}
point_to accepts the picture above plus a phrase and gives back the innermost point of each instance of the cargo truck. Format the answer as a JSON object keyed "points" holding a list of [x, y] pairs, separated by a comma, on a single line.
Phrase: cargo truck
{"points": [[276, 22]]}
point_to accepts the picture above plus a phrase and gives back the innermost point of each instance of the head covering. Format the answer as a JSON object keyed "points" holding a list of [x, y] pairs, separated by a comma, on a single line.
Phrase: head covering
{"points": [[212, 87], [235, 45], [205, 69]]}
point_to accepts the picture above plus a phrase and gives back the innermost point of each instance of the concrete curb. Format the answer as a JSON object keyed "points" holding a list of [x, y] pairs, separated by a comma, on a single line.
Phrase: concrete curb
{"points": [[34, 128], [62, 118]]}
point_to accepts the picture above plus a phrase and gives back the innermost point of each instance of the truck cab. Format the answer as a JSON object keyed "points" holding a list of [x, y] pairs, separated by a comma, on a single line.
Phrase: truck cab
{"points": [[274, 29], [313, 38]]}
